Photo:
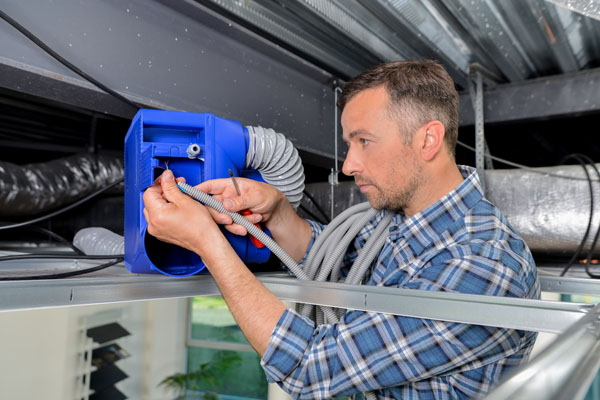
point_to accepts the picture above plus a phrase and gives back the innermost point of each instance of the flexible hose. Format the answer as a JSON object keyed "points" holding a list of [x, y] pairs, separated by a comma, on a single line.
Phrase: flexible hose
{"points": [[337, 236], [277, 160], [368, 253], [252, 230], [363, 213], [311, 258]]}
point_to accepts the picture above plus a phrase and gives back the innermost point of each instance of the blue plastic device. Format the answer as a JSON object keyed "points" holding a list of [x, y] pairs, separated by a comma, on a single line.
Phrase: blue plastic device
{"points": [[198, 147]]}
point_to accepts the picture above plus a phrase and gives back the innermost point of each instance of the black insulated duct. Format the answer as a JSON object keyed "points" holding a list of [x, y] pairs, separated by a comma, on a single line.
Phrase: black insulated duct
{"points": [[36, 188]]}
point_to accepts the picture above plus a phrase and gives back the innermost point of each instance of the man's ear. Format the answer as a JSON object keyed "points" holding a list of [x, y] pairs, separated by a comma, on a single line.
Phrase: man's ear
{"points": [[432, 139]]}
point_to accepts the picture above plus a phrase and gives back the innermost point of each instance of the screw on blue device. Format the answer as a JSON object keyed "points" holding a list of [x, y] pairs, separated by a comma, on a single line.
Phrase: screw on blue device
{"points": [[198, 147]]}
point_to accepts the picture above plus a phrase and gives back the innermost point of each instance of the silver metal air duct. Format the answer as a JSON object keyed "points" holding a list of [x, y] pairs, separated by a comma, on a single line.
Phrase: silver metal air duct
{"points": [[550, 212], [549, 207]]}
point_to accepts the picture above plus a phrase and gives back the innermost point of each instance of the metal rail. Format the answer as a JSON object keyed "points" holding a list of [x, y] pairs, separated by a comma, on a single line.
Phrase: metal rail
{"points": [[564, 370], [535, 315], [116, 284], [569, 285]]}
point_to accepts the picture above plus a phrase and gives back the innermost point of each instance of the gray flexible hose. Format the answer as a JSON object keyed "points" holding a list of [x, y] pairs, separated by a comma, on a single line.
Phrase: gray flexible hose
{"points": [[277, 160], [340, 250], [253, 230], [331, 227], [326, 246], [370, 250], [337, 254]]}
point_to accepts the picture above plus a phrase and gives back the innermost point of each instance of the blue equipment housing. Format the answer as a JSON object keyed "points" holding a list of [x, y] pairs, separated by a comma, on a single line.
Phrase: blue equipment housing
{"points": [[198, 147]]}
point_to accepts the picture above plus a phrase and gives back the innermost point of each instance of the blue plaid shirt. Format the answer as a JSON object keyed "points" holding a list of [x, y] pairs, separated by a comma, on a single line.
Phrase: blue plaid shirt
{"points": [[461, 243]]}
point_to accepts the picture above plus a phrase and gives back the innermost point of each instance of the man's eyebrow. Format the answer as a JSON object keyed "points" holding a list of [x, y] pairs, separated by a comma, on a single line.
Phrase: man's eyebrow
{"points": [[359, 132]]}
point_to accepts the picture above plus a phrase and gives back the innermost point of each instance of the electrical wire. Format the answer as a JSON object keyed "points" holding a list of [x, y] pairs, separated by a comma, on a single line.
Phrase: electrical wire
{"points": [[311, 214], [60, 257], [588, 260], [581, 161], [58, 238], [317, 206], [62, 210], [64, 61], [525, 167], [62, 275]]}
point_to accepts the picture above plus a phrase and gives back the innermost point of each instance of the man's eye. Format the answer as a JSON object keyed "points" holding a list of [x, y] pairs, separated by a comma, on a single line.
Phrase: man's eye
{"points": [[364, 141]]}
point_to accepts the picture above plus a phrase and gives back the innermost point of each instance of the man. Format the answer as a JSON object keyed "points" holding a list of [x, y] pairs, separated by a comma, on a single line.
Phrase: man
{"points": [[400, 121]]}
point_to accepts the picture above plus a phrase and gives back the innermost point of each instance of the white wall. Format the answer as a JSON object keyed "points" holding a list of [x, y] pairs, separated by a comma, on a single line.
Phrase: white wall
{"points": [[544, 338], [39, 349]]}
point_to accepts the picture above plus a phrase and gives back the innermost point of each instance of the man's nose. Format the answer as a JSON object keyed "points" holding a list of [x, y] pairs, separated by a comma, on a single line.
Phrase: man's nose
{"points": [[351, 165]]}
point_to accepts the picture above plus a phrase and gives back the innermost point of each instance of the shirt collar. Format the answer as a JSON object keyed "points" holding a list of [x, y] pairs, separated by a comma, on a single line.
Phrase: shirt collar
{"points": [[428, 225]]}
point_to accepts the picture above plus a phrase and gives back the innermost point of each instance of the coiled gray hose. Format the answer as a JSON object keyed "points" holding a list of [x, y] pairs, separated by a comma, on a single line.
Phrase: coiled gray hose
{"points": [[277, 161], [334, 241]]}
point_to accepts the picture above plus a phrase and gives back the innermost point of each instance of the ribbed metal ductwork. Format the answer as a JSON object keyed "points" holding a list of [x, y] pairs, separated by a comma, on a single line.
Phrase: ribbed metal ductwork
{"points": [[514, 39], [590, 8]]}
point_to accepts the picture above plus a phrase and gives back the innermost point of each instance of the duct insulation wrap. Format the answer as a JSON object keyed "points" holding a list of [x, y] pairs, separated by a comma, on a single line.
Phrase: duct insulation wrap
{"points": [[551, 213], [36, 188], [278, 162]]}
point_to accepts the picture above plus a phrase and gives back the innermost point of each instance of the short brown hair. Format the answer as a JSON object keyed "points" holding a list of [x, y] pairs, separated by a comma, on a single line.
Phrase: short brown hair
{"points": [[420, 90]]}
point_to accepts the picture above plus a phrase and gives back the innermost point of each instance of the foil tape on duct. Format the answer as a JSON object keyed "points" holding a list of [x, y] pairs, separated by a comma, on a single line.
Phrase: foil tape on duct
{"points": [[36, 188]]}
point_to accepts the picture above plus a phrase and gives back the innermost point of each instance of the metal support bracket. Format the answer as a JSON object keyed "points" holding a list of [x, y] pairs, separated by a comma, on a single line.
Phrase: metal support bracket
{"points": [[333, 176]]}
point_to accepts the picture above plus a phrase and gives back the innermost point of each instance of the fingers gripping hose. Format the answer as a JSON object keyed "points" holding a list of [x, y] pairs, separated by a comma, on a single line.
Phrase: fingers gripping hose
{"points": [[277, 160], [253, 230]]}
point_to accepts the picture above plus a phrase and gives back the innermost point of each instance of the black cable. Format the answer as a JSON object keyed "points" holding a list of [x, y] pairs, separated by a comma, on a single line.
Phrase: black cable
{"points": [[58, 238], [311, 215], [317, 206], [577, 253], [62, 210], [588, 260], [63, 274], [60, 257], [521, 166], [65, 62]]}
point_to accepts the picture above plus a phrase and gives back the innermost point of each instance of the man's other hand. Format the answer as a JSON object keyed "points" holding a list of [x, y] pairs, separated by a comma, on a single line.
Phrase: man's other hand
{"points": [[263, 201], [176, 218]]}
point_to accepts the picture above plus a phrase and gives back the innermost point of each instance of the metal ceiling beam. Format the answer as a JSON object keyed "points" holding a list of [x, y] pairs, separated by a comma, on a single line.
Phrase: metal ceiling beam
{"points": [[171, 55], [559, 42], [485, 24], [39, 82], [555, 96], [568, 285], [512, 313], [413, 25], [586, 7]]}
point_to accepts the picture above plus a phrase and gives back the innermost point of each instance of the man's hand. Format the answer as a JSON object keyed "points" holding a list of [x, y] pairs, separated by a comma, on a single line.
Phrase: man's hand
{"points": [[176, 218], [267, 205], [263, 200]]}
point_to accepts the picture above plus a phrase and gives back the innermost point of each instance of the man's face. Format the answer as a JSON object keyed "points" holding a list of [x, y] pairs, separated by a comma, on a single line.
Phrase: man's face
{"points": [[386, 169]]}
